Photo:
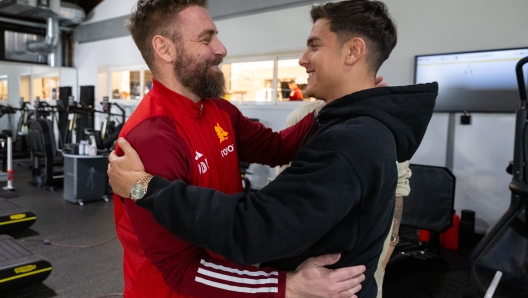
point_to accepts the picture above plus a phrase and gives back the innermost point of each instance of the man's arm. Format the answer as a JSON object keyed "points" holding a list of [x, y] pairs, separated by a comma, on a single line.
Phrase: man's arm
{"points": [[189, 270], [252, 228], [402, 190], [259, 144]]}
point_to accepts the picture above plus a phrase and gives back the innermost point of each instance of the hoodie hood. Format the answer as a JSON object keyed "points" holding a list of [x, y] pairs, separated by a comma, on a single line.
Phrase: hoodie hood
{"points": [[405, 110]]}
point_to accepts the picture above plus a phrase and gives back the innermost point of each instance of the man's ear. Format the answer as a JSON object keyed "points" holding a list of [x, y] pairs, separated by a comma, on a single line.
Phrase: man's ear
{"points": [[356, 49], [164, 48]]}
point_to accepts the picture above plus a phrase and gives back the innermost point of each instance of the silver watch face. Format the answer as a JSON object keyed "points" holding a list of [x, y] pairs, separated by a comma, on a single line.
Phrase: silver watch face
{"points": [[137, 191]]}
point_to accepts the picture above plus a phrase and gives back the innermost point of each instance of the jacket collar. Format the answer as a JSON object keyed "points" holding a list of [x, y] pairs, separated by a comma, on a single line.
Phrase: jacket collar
{"points": [[174, 102]]}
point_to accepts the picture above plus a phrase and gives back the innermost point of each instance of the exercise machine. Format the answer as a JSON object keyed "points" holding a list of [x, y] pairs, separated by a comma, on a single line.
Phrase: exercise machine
{"points": [[111, 127], [13, 217], [47, 160], [19, 267], [505, 246]]}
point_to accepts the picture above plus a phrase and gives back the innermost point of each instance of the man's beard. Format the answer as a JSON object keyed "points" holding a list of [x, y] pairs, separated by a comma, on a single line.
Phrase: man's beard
{"points": [[198, 76]]}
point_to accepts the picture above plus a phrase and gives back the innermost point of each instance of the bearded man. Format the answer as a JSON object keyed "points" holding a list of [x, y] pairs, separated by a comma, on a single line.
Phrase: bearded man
{"points": [[183, 130]]}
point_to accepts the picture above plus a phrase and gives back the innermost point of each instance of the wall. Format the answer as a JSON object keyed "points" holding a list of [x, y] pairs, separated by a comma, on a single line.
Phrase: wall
{"points": [[482, 149]]}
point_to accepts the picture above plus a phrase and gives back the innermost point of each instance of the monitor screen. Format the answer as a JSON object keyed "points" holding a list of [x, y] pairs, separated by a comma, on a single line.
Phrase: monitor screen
{"points": [[483, 81]]}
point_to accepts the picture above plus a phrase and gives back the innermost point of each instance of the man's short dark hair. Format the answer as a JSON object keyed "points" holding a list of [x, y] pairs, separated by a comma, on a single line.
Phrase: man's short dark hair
{"points": [[156, 17], [367, 19]]}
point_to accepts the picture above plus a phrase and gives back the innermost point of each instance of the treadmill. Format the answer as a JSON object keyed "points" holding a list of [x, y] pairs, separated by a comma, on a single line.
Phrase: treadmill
{"points": [[13, 217], [19, 267]]}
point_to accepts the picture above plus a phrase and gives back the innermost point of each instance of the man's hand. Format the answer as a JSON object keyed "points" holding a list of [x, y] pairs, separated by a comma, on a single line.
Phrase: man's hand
{"points": [[380, 82], [124, 171], [311, 279]]}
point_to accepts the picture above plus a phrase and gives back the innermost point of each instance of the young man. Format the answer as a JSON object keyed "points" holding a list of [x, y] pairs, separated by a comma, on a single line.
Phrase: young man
{"points": [[180, 130], [338, 194], [402, 190]]}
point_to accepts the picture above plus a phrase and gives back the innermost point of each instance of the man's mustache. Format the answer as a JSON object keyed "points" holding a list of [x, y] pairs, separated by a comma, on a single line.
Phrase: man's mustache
{"points": [[215, 62]]}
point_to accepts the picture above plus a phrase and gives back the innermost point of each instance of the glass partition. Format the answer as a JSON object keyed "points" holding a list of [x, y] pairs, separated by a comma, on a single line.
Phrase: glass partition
{"points": [[26, 82], [291, 75], [129, 84], [45, 83], [25, 88], [249, 81], [3, 88], [253, 81], [148, 81], [15, 47]]}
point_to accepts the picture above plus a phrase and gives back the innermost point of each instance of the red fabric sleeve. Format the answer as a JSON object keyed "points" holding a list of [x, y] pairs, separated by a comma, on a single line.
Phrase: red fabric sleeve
{"points": [[188, 269], [259, 144]]}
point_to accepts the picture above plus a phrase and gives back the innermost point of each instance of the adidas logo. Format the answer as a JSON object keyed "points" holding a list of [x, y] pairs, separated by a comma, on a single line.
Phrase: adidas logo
{"points": [[198, 155]]}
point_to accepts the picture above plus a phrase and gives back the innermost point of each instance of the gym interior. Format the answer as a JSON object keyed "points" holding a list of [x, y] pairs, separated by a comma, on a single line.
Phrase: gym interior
{"points": [[71, 76]]}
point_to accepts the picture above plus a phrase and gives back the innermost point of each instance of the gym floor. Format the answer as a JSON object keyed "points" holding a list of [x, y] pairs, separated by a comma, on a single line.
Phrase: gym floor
{"points": [[87, 257]]}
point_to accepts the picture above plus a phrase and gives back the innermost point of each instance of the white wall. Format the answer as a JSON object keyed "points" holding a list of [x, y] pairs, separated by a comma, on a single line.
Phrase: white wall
{"points": [[482, 149]]}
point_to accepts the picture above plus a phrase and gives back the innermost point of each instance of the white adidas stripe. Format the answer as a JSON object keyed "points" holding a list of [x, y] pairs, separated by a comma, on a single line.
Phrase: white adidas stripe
{"points": [[241, 272], [238, 279], [235, 288]]}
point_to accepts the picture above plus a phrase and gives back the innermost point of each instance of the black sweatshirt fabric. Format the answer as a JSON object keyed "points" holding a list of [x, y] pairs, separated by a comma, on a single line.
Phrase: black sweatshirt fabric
{"points": [[336, 197]]}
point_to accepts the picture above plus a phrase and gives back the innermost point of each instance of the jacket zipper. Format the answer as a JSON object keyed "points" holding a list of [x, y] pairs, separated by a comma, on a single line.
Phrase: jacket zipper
{"points": [[201, 108]]}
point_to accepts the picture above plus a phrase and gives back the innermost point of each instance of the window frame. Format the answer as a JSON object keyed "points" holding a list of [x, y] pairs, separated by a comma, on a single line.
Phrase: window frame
{"points": [[275, 57]]}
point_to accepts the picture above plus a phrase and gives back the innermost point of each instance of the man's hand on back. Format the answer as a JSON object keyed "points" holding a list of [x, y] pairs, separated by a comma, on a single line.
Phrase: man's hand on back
{"points": [[313, 280], [380, 82]]}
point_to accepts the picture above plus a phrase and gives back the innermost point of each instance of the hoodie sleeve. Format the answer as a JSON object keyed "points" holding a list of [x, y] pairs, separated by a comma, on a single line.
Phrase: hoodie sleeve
{"points": [[252, 228]]}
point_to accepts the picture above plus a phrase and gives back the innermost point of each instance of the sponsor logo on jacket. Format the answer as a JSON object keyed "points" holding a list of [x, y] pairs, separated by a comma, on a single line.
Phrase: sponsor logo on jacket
{"points": [[227, 150], [203, 165], [222, 135]]}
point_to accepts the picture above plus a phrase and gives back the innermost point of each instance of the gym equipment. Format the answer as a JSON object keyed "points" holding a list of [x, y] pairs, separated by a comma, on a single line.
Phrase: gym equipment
{"points": [[9, 187], [105, 139], [20, 148], [505, 247], [13, 217], [43, 147], [81, 121], [19, 267]]}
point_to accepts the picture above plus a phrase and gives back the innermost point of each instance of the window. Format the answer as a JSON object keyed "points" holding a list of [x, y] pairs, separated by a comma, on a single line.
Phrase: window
{"points": [[253, 81], [249, 81], [46, 88], [15, 47], [291, 72], [3, 88], [124, 83], [25, 88]]}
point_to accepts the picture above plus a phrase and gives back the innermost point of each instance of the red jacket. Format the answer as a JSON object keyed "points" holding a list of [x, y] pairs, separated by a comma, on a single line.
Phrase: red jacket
{"points": [[201, 145], [296, 94]]}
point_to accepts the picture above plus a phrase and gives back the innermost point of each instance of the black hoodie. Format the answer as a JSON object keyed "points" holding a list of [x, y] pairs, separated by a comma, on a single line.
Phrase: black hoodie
{"points": [[336, 197]]}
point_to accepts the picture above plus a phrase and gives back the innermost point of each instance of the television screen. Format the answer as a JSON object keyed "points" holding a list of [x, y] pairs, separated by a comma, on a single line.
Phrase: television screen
{"points": [[483, 81]]}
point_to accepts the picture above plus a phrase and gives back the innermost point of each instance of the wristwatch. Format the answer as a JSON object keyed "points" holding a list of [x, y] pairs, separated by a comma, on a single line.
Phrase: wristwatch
{"points": [[139, 188], [395, 239]]}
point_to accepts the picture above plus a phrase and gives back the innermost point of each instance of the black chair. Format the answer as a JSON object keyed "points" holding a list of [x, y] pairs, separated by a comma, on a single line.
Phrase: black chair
{"points": [[43, 148], [429, 206]]}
